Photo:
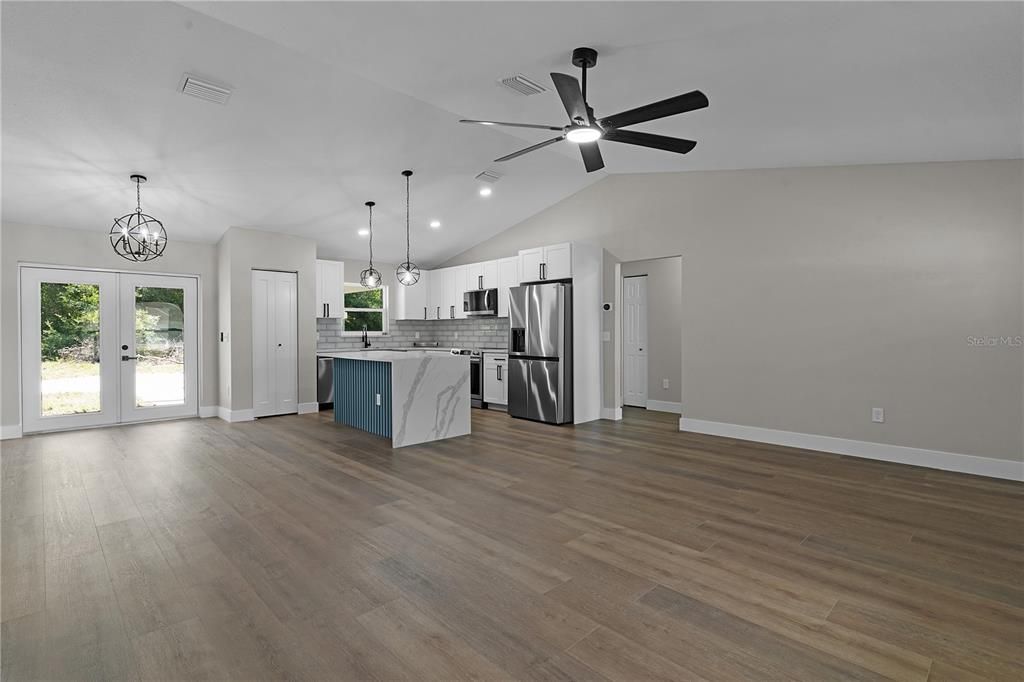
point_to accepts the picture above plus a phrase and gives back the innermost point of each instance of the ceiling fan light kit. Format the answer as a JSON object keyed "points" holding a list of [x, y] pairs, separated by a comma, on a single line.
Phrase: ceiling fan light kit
{"points": [[137, 236], [585, 129]]}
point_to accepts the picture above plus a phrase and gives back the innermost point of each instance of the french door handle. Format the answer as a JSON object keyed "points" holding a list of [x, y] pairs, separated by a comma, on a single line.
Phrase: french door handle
{"points": [[125, 358]]}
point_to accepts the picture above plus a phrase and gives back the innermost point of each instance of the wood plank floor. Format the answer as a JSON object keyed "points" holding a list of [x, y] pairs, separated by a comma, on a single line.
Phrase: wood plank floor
{"points": [[294, 548]]}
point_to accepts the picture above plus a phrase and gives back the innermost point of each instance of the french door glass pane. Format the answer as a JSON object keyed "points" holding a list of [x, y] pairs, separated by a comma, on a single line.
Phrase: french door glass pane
{"points": [[159, 346], [69, 331]]}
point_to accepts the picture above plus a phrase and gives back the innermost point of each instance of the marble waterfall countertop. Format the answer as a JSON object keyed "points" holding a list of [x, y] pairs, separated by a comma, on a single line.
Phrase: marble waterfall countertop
{"points": [[429, 394]]}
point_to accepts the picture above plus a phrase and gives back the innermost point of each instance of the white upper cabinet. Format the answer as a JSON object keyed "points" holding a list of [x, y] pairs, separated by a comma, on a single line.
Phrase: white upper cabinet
{"points": [[437, 308], [546, 262], [330, 288], [413, 302], [530, 264], [508, 277], [482, 275], [454, 290], [558, 261]]}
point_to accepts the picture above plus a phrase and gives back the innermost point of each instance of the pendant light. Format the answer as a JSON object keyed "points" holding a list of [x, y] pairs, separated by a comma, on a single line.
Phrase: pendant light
{"points": [[136, 236], [408, 273], [370, 277]]}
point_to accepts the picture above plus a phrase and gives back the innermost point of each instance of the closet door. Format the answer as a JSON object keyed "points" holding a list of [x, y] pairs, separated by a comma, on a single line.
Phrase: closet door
{"points": [[274, 343]]}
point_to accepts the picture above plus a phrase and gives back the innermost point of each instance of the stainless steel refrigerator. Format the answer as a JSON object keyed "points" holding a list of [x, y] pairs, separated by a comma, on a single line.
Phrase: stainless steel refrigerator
{"points": [[540, 352]]}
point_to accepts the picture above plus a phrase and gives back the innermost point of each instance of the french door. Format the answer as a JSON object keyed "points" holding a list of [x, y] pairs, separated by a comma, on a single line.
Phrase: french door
{"points": [[103, 348]]}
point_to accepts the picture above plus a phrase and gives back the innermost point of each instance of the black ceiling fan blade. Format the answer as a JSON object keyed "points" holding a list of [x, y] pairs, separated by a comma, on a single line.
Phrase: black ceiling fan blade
{"points": [[669, 144], [512, 125], [592, 159], [535, 147], [572, 97], [679, 104]]}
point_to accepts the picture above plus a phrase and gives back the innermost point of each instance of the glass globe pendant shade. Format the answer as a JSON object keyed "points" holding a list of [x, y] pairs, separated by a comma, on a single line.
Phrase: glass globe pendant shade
{"points": [[408, 274], [370, 278], [138, 237]]}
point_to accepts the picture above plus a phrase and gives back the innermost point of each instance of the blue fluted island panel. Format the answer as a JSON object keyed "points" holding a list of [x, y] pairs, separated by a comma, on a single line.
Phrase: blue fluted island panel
{"points": [[410, 396]]}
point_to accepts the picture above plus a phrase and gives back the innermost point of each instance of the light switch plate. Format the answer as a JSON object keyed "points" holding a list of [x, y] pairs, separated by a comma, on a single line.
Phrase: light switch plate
{"points": [[877, 415], [378, 400], [664, 383]]}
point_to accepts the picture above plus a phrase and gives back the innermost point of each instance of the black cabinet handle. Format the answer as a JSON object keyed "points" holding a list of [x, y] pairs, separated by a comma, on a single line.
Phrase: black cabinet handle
{"points": [[424, 312], [499, 372], [452, 312], [328, 309], [479, 281]]}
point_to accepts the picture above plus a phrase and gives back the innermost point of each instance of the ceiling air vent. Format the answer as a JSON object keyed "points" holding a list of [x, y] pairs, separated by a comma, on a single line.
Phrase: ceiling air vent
{"points": [[203, 89], [523, 85], [489, 176]]}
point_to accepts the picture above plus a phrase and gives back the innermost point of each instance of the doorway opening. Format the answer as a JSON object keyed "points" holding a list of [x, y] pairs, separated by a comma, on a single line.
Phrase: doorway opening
{"points": [[652, 347], [100, 348]]}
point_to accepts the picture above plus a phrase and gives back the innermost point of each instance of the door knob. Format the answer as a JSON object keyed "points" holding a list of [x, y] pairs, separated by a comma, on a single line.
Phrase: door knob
{"points": [[279, 345]]}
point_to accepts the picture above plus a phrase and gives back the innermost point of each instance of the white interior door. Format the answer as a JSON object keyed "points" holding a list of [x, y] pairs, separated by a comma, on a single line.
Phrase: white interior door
{"points": [[159, 347], [634, 340], [275, 378], [69, 362]]}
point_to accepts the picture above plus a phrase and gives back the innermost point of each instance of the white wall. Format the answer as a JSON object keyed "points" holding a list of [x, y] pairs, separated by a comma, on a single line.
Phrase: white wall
{"points": [[240, 251], [664, 324], [811, 295], [91, 249]]}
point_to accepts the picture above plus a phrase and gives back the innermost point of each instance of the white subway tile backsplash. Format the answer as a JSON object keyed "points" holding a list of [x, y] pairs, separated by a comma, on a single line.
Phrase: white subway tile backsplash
{"points": [[473, 333]]}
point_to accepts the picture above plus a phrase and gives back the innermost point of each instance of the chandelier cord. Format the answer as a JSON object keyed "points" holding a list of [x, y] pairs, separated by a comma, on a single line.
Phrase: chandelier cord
{"points": [[407, 247], [371, 237], [138, 196]]}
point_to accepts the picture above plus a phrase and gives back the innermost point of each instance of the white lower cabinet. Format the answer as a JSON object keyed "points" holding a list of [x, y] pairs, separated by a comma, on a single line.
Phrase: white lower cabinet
{"points": [[495, 378]]}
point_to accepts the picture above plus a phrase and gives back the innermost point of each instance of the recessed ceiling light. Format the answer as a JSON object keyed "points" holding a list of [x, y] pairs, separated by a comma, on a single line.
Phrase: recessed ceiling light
{"points": [[363, 232], [435, 224], [583, 135], [485, 191]]}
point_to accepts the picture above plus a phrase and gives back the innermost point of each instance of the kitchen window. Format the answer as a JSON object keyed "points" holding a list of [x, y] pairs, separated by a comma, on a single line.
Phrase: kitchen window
{"points": [[366, 308]]}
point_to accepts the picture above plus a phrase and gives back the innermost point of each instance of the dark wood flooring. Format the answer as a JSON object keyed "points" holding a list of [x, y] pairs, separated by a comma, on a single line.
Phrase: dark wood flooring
{"points": [[293, 548]]}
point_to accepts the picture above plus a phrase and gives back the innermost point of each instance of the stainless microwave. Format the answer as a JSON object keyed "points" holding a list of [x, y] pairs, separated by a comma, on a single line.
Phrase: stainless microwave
{"points": [[480, 303]]}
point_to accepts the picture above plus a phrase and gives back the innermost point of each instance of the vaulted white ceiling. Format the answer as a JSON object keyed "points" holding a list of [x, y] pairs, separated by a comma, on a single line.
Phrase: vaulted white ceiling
{"points": [[332, 100]]}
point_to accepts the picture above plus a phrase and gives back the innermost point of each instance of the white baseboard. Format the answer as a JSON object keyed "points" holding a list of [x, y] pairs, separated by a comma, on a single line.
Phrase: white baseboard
{"points": [[933, 459], [665, 406], [207, 411], [306, 408], [10, 431], [235, 415], [613, 413]]}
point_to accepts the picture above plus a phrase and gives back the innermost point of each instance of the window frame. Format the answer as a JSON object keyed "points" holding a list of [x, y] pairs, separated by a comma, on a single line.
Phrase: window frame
{"points": [[385, 322]]}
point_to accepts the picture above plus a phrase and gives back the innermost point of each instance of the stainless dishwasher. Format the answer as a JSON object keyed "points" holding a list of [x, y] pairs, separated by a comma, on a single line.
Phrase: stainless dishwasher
{"points": [[325, 382]]}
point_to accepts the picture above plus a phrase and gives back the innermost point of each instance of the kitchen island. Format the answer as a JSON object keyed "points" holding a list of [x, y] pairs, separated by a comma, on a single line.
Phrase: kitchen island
{"points": [[408, 396]]}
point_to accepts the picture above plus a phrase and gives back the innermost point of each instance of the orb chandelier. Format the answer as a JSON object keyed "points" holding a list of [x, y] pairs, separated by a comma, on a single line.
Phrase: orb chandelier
{"points": [[370, 277], [408, 273], [137, 236]]}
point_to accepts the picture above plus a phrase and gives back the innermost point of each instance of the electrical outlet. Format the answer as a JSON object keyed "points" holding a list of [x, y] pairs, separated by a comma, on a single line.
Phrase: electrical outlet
{"points": [[378, 400], [606, 336], [877, 415], [417, 335], [664, 383], [456, 335]]}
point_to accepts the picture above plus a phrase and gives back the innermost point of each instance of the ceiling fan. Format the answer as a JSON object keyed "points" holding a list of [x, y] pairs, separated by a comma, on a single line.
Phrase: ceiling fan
{"points": [[585, 130]]}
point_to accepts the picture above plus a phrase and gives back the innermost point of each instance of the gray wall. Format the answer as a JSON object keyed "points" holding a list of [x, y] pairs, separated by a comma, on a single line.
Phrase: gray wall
{"points": [[811, 295], [664, 324], [91, 249], [240, 252]]}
